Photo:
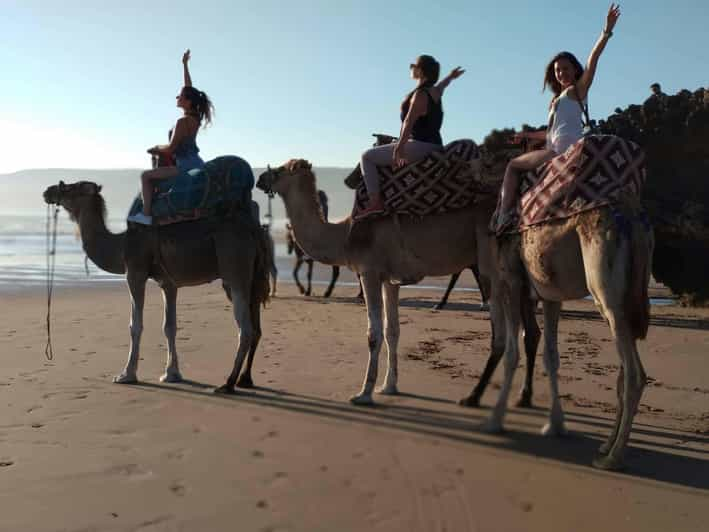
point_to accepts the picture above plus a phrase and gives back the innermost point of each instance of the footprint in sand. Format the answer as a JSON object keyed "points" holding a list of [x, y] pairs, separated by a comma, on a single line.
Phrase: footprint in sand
{"points": [[178, 488]]}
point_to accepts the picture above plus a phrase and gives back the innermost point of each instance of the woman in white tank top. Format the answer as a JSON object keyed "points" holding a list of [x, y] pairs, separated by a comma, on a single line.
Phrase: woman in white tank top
{"points": [[570, 83]]}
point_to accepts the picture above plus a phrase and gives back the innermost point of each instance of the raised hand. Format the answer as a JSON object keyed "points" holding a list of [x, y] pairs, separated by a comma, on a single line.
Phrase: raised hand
{"points": [[456, 73], [612, 17], [186, 57]]}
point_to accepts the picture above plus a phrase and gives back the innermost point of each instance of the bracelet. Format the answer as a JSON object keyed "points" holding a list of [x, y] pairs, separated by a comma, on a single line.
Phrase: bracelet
{"points": [[608, 34]]}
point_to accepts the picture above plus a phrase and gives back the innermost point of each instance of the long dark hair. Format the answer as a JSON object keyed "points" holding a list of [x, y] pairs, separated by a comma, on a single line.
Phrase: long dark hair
{"points": [[550, 76], [201, 104], [430, 68]]}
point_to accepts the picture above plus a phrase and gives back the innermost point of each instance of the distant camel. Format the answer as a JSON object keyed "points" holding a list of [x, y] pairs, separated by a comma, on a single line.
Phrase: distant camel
{"points": [[177, 255]]}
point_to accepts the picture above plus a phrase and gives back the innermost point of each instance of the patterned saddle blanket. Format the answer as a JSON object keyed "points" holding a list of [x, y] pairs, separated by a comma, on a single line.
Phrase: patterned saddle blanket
{"points": [[223, 186], [595, 171], [445, 180]]}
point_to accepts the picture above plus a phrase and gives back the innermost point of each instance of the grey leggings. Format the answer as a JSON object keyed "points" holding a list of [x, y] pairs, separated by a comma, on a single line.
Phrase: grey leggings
{"points": [[414, 150]]}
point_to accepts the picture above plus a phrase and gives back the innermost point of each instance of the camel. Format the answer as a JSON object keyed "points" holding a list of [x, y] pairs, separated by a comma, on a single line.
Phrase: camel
{"points": [[300, 258], [590, 252], [389, 251], [177, 255]]}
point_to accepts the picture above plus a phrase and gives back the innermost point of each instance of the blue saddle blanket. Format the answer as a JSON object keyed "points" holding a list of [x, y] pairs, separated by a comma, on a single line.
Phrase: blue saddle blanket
{"points": [[222, 186]]}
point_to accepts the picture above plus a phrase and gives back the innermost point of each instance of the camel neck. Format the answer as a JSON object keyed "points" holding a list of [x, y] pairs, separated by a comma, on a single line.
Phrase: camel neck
{"points": [[104, 248], [325, 242]]}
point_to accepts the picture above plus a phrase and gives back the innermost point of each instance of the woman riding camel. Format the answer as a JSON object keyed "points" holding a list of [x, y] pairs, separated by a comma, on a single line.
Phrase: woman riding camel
{"points": [[421, 117], [570, 84], [198, 110]]}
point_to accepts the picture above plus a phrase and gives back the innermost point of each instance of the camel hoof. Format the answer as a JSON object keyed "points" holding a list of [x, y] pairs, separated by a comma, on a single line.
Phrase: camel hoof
{"points": [[554, 431], [439, 306], [125, 378], [388, 390], [245, 382], [225, 389], [470, 401], [171, 376], [484, 307], [362, 400], [607, 463], [604, 449], [492, 426], [524, 401]]}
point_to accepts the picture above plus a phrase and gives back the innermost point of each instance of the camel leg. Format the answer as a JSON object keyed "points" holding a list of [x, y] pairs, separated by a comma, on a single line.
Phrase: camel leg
{"points": [[511, 302], [532, 335], [136, 287], [169, 327], [620, 386], [483, 286], [242, 314], [335, 275], [629, 393], [555, 426], [245, 380], [372, 286], [497, 349], [391, 332], [309, 290], [274, 278], [608, 281], [451, 285], [296, 269]]}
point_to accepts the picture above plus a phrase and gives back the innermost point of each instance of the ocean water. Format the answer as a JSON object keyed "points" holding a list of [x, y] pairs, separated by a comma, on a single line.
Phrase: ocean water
{"points": [[25, 242]]}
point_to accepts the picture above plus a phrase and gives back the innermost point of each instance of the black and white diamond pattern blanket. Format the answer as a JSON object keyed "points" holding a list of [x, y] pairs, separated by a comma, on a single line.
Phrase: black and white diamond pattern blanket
{"points": [[445, 180]]}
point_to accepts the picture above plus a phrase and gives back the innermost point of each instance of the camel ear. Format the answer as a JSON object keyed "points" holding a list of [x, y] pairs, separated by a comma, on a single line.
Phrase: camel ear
{"points": [[98, 189]]}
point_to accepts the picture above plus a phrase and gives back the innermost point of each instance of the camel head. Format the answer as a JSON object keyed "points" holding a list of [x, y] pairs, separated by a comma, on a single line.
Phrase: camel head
{"points": [[74, 196], [280, 179]]}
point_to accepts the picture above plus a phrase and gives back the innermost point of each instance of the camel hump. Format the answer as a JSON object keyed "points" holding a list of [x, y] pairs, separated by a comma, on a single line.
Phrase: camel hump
{"points": [[222, 187]]}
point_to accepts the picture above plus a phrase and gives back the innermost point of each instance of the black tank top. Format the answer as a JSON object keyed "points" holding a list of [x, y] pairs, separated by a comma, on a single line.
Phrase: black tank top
{"points": [[427, 128]]}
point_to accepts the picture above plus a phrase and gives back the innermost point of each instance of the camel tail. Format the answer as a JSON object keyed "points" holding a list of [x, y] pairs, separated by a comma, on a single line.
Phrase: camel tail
{"points": [[637, 302], [261, 289]]}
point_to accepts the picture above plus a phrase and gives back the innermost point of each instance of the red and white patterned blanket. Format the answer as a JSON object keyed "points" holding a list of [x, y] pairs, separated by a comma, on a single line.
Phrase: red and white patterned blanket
{"points": [[445, 180], [598, 170]]}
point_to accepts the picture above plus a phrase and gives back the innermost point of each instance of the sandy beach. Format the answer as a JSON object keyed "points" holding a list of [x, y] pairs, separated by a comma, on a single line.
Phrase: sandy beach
{"points": [[79, 453]]}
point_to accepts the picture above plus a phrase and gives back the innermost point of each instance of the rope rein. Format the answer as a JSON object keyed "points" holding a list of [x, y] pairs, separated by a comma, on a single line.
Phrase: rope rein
{"points": [[51, 249]]}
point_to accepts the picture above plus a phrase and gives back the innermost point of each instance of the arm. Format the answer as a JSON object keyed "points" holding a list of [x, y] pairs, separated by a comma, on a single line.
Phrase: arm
{"points": [[455, 74], [179, 133], [584, 83], [186, 68], [417, 108]]}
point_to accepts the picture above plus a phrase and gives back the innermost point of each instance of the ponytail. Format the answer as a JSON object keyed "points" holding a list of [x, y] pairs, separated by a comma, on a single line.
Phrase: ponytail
{"points": [[201, 104]]}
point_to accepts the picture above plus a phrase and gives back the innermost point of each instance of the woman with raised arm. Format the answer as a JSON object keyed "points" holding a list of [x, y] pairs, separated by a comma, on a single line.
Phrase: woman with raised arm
{"points": [[198, 111], [570, 83], [421, 119]]}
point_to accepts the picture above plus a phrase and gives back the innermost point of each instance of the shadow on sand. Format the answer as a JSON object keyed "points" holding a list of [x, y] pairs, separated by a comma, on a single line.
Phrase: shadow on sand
{"points": [[654, 461]]}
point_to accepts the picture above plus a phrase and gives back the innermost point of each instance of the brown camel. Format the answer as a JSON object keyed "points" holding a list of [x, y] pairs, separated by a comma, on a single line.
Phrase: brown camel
{"points": [[386, 252], [567, 259], [184, 254]]}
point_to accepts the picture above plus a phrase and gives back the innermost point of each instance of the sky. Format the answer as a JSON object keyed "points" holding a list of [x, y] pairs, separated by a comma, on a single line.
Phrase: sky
{"points": [[93, 84]]}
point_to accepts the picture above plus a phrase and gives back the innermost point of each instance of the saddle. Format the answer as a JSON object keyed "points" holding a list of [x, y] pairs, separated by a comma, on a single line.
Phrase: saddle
{"points": [[221, 188], [443, 181], [596, 171]]}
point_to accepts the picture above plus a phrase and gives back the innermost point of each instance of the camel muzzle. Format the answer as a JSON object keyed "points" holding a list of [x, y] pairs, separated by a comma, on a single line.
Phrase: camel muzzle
{"points": [[265, 181], [53, 194]]}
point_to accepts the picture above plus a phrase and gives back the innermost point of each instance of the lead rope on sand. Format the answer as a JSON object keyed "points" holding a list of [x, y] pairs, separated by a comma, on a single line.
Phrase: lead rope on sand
{"points": [[51, 249]]}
